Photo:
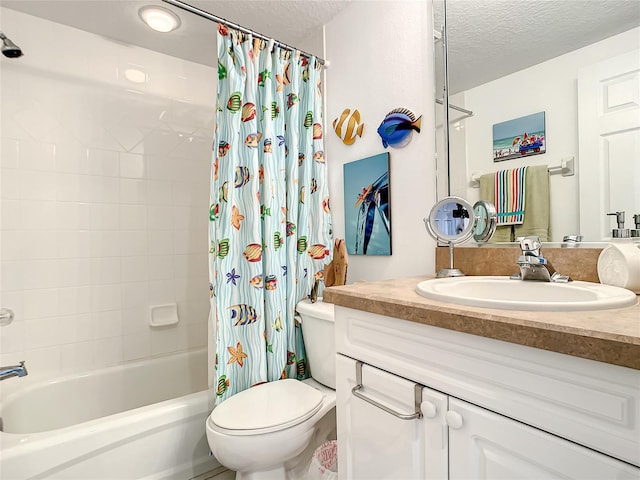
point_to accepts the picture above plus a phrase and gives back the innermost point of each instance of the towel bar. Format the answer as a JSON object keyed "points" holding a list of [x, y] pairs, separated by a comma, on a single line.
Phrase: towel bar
{"points": [[566, 168]]}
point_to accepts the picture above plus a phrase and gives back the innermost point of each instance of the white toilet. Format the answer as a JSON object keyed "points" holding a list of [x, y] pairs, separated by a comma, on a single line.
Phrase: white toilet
{"points": [[270, 431]]}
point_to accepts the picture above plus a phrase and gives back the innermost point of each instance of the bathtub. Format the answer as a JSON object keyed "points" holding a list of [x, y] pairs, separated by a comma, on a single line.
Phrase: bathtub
{"points": [[138, 420]]}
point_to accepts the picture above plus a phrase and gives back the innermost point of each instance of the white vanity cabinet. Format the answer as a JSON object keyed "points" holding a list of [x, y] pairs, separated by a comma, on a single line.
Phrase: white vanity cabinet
{"points": [[489, 409]]}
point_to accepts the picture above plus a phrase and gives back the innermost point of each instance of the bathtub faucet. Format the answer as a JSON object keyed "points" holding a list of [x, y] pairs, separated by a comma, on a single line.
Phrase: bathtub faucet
{"points": [[13, 371]]}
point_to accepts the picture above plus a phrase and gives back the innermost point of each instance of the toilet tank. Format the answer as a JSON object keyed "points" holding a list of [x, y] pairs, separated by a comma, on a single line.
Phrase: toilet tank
{"points": [[319, 340]]}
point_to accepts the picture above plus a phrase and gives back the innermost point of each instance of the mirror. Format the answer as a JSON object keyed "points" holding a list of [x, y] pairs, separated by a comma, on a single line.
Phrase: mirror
{"points": [[508, 59], [486, 221], [452, 220]]}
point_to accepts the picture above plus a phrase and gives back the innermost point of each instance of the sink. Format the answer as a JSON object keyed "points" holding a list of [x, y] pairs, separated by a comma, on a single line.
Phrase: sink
{"points": [[507, 294]]}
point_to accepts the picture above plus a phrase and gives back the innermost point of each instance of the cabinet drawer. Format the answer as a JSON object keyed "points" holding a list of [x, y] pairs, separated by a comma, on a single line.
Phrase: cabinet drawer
{"points": [[590, 403]]}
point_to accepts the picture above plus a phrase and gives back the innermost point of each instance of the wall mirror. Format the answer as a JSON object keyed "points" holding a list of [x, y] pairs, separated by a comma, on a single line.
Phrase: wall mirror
{"points": [[508, 59]]}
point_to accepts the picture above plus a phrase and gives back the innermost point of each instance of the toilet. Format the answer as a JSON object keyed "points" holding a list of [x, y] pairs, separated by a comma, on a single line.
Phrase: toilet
{"points": [[271, 430]]}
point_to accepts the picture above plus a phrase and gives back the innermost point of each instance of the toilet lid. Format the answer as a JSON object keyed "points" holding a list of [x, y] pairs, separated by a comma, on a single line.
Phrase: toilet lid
{"points": [[273, 406]]}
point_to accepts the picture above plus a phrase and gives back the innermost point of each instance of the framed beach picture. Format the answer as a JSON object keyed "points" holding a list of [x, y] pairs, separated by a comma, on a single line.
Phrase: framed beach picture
{"points": [[520, 137], [367, 209]]}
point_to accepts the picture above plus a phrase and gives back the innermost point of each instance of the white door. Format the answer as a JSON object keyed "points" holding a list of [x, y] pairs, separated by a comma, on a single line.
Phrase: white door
{"points": [[376, 444], [485, 445], [609, 143]]}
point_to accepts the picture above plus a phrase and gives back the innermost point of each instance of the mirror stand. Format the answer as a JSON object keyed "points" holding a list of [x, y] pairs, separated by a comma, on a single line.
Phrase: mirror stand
{"points": [[451, 271]]}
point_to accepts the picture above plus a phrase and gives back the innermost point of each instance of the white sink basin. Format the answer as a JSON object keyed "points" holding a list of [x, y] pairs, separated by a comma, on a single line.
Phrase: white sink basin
{"points": [[507, 294]]}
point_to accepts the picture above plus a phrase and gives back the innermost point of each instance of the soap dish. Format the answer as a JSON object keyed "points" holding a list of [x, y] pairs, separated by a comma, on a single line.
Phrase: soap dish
{"points": [[163, 315]]}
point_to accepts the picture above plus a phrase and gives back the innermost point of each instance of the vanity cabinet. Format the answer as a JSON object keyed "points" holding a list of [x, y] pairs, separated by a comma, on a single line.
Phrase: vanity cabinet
{"points": [[488, 409]]}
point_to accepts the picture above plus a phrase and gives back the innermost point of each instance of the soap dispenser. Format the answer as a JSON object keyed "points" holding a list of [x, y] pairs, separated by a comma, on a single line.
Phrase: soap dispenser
{"points": [[619, 262], [635, 232], [619, 232]]}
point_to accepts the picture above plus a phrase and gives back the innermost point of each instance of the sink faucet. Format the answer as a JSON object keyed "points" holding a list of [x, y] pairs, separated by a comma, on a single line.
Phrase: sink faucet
{"points": [[533, 266], [13, 371]]}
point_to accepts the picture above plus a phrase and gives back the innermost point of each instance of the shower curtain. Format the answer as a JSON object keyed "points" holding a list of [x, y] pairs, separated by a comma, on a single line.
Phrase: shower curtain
{"points": [[270, 223]]}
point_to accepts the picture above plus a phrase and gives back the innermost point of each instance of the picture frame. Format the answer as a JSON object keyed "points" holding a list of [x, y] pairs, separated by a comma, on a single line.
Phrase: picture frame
{"points": [[367, 205], [520, 137]]}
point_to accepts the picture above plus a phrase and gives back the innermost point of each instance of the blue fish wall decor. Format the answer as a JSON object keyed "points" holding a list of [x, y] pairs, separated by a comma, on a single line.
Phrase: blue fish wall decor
{"points": [[397, 128]]}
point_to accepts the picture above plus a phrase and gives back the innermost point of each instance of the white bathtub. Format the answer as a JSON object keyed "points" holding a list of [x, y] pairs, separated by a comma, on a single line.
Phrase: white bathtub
{"points": [[140, 420]]}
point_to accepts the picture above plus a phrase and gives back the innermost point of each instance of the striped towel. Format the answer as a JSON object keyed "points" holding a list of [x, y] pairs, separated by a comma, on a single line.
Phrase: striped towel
{"points": [[509, 195]]}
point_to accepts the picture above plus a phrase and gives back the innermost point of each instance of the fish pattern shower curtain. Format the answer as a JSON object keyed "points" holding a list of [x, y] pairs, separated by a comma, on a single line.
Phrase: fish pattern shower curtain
{"points": [[270, 222]]}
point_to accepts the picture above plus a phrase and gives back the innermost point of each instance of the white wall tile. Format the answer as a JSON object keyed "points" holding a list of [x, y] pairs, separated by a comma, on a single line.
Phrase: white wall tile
{"points": [[94, 182], [33, 155], [160, 267], [161, 292], [132, 165], [163, 340], [133, 217], [106, 297], [11, 216], [133, 243], [72, 216], [104, 270], [134, 294], [135, 320], [41, 332], [133, 190], [103, 162], [159, 192], [109, 324], [76, 357], [104, 216], [71, 158], [12, 338], [73, 188], [103, 189], [134, 269], [8, 153], [73, 244], [41, 303], [74, 300], [43, 361], [38, 215], [73, 272], [108, 351], [75, 328], [136, 346], [12, 275], [105, 243]]}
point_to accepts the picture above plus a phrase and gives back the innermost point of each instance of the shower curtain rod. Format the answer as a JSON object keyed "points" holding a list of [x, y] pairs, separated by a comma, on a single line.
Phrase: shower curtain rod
{"points": [[235, 26]]}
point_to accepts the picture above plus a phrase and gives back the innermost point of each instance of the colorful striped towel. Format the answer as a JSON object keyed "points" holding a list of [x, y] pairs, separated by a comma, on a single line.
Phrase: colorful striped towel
{"points": [[509, 194]]}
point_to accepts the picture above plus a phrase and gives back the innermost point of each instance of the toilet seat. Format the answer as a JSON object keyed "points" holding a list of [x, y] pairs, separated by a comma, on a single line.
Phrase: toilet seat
{"points": [[267, 408]]}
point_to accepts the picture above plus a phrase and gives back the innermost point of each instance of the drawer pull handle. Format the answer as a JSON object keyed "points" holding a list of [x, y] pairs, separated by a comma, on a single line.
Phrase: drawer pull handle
{"points": [[403, 416]]}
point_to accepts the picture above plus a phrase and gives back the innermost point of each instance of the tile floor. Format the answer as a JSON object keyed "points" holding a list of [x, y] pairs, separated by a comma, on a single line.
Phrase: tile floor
{"points": [[220, 473]]}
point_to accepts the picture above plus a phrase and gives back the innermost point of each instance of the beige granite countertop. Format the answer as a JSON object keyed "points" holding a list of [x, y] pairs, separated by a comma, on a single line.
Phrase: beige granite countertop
{"points": [[610, 336]]}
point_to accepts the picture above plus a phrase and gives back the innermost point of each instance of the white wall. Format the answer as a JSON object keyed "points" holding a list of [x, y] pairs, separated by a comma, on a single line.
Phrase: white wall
{"points": [[381, 58], [550, 87], [104, 198]]}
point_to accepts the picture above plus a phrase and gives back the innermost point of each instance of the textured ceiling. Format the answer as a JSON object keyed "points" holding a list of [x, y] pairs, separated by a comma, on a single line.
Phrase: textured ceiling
{"points": [[487, 38], [491, 38]]}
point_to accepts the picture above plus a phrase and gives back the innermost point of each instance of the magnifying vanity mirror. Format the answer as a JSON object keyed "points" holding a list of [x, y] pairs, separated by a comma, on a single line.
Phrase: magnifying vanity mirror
{"points": [[453, 220]]}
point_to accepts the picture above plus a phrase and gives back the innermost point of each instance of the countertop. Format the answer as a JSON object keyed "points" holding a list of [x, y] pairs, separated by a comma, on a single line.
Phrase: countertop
{"points": [[610, 336]]}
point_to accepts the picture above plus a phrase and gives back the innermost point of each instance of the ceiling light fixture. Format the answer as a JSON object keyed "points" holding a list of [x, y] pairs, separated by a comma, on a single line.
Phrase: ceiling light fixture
{"points": [[158, 18]]}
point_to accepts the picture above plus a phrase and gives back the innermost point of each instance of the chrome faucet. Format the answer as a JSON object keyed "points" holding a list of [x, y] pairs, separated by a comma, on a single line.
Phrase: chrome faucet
{"points": [[533, 266], [13, 371]]}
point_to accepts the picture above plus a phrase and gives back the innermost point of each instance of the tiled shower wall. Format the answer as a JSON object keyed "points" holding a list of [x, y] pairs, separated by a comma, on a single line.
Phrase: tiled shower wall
{"points": [[104, 198]]}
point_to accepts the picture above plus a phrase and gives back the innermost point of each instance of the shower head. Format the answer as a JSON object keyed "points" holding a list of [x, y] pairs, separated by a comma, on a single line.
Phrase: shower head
{"points": [[9, 49]]}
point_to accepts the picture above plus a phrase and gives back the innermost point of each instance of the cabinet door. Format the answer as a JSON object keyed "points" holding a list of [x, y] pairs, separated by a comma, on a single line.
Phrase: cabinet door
{"points": [[376, 444], [485, 445]]}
